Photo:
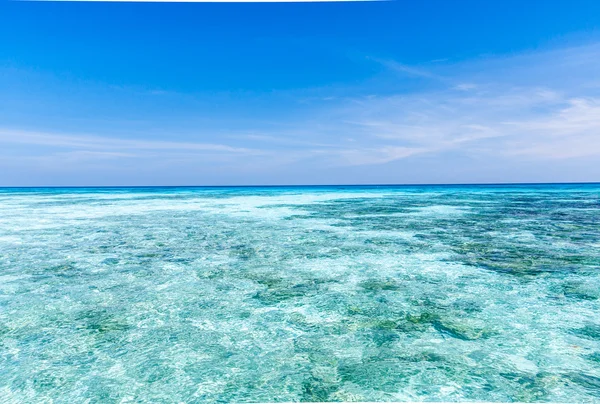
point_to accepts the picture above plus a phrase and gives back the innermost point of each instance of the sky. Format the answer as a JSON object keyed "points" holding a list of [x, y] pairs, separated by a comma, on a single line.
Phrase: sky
{"points": [[386, 92]]}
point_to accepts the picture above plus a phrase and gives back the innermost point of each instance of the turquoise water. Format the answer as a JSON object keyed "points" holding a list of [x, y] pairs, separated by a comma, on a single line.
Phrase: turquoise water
{"points": [[300, 294]]}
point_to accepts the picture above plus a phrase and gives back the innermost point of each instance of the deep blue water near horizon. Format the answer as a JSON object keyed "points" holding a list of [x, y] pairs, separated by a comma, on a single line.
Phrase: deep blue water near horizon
{"points": [[326, 293]]}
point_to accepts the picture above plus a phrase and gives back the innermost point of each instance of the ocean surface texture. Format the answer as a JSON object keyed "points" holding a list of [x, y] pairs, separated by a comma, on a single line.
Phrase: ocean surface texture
{"points": [[433, 293]]}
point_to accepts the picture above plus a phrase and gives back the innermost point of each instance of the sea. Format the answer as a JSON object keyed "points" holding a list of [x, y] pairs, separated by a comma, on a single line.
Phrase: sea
{"points": [[300, 294]]}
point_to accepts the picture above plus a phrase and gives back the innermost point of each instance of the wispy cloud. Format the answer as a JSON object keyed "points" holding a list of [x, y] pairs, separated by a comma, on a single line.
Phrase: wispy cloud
{"points": [[111, 144], [540, 109], [370, 156], [534, 113], [408, 70], [529, 122]]}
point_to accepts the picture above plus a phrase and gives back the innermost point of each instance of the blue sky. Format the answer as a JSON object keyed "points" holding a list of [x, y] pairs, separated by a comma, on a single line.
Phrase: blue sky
{"points": [[312, 93]]}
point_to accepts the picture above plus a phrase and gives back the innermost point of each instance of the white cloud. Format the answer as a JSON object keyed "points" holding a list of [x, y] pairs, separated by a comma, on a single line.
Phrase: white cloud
{"points": [[539, 108], [465, 86], [358, 157], [87, 143], [534, 113]]}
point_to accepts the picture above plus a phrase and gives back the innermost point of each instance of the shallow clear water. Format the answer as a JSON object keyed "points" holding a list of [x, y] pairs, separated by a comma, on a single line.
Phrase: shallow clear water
{"points": [[300, 294]]}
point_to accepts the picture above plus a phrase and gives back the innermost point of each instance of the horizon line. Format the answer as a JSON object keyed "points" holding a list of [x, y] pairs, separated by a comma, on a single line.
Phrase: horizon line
{"points": [[304, 185]]}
